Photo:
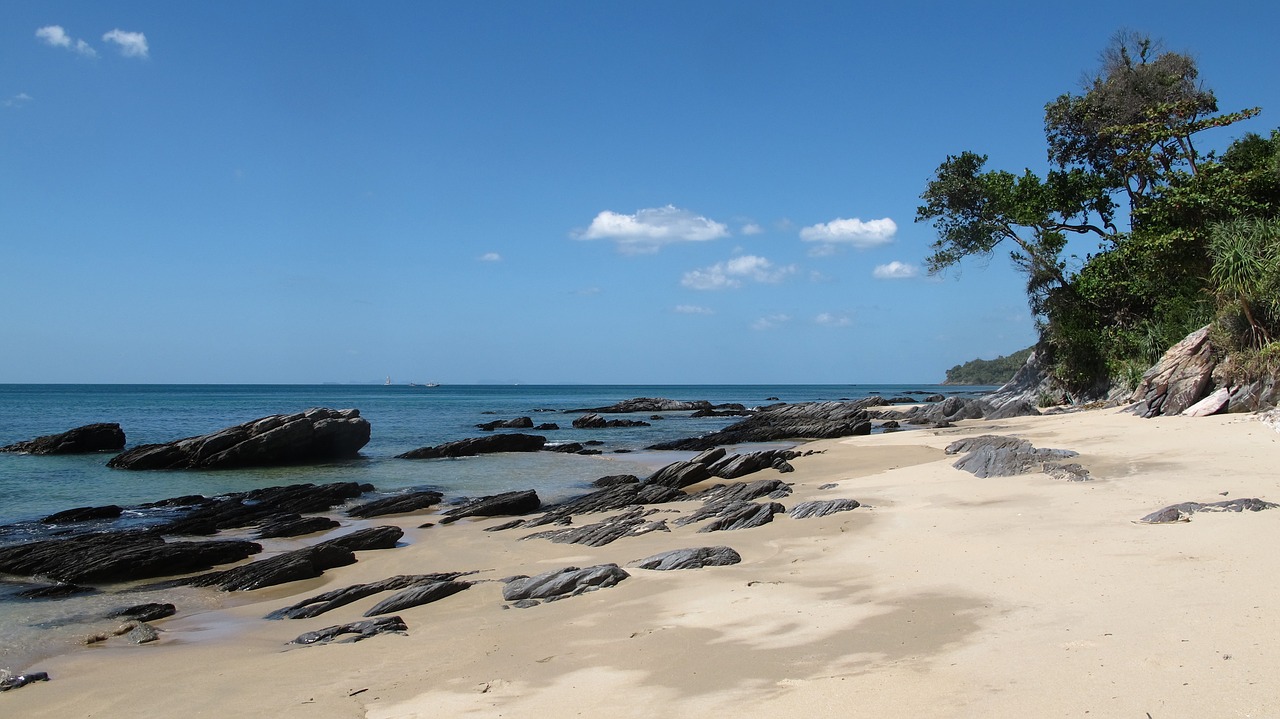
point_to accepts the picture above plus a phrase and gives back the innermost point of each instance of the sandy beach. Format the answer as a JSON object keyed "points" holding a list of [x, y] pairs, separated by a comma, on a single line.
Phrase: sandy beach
{"points": [[945, 595]]}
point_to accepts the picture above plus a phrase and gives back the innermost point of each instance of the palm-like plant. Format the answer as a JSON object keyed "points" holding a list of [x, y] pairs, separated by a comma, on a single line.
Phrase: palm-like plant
{"points": [[1246, 271]]}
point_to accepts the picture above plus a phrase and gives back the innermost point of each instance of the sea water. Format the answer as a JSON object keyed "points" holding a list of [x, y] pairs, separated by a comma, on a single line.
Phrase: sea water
{"points": [[402, 417]]}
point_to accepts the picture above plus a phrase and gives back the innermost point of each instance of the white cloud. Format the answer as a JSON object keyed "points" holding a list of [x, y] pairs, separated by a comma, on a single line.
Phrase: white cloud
{"points": [[18, 100], [132, 44], [828, 319], [694, 310], [895, 271], [648, 230], [752, 228], [769, 322], [491, 257], [723, 275], [55, 36], [861, 235]]}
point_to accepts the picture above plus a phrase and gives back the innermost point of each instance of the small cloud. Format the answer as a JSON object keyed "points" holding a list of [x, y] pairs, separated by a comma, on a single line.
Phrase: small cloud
{"points": [[18, 100], [751, 228], [694, 310], [895, 271], [828, 319], [55, 36], [587, 292], [723, 275], [769, 322], [861, 235], [132, 44], [648, 230], [491, 257]]}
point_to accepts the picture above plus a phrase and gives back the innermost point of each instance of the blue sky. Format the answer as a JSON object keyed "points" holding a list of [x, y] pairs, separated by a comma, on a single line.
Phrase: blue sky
{"points": [[684, 192]]}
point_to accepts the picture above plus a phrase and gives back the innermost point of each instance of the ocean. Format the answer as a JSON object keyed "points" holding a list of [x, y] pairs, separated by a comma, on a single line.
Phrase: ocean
{"points": [[403, 417]]}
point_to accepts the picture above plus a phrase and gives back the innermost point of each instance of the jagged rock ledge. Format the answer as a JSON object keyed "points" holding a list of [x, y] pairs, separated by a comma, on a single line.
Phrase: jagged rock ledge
{"points": [[100, 437]]}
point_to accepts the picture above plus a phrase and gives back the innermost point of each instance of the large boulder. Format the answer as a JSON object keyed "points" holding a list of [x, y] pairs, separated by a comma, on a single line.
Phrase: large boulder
{"points": [[513, 442], [316, 435], [118, 557], [101, 437], [1182, 377]]}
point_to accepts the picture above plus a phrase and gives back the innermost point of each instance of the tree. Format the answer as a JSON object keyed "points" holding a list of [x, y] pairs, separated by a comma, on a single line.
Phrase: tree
{"points": [[1246, 273]]}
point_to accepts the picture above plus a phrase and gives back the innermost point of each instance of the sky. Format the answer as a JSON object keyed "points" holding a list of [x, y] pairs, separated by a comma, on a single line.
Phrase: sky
{"points": [[548, 192]]}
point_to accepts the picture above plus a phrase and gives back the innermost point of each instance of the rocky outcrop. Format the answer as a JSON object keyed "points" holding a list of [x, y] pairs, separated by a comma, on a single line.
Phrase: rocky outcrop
{"points": [[317, 435], [396, 504], [416, 596], [21, 680], [562, 583], [740, 465], [595, 421], [83, 514], [742, 491], [631, 523], [1182, 512], [305, 563], [822, 507], [730, 515], [650, 404], [294, 525], [693, 558], [319, 604], [1181, 378], [507, 503], [100, 437], [806, 420], [205, 516], [118, 557], [992, 455], [618, 496], [358, 631], [514, 442], [517, 423], [679, 474]]}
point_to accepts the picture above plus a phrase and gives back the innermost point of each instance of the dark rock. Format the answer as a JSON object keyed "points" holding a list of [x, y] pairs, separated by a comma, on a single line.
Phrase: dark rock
{"points": [[83, 514], [306, 563], [565, 448], [808, 420], [118, 557], [694, 558], [595, 421], [996, 456], [627, 524], [21, 680], [570, 581], [610, 498], [507, 503], [616, 480], [1182, 512], [589, 452], [366, 539], [417, 596], [145, 612], [101, 437], [740, 465], [294, 525], [1009, 410], [517, 423], [358, 630], [321, 603], [142, 633], [646, 404], [934, 398], [396, 504], [54, 591], [547, 427], [317, 435], [513, 442], [889, 424], [243, 509], [710, 456], [821, 508], [733, 514], [742, 491], [1182, 377], [679, 474]]}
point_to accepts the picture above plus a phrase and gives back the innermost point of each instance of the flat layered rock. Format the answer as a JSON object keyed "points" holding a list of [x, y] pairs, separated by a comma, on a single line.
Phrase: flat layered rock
{"points": [[731, 515], [205, 516], [396, 504], [743, 491], [316, 435], [417, 596], [692, 558], [618, 496], [822, 508], [805, 420], [992, 455], [631, 523], [319, 604], [358, 630], [99, 437], [118, 557], [561, 583], [512, 442], [498, 505], [306, 563], [648, 404], [1182, 512]]}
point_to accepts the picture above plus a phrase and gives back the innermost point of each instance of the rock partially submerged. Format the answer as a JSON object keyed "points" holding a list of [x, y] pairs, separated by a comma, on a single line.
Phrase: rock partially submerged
{"points": [[100, 437], [650, 404], [512, 442], [507, 503], [396, 504], [305, 563], [595, 421], [118, 557], [316, 435], [1182, 512], [692, 558], [205, 516], [562, 583], [806, 420]]}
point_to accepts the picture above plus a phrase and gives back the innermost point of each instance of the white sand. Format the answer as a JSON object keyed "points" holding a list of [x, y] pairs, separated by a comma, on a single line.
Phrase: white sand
{"points": [[951, 596]]}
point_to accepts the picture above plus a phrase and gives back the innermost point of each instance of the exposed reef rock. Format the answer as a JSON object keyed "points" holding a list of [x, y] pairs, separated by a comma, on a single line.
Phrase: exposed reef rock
{"points": [[562, 583], [807, 420], [319, 604], [733, 514], [118, 557], [206, 516], [507, 503], [743, 491], [650, 404], [1182, 512], [416, 596], [631, 523], [83, 514], [992, 455], [294, 525], [618, 496], [822, 507], [517, 423], [692, 558], [317, 435], [358, 630], [396, 504], [513, 442], [101, 437], [305, 563], [595, 421]]}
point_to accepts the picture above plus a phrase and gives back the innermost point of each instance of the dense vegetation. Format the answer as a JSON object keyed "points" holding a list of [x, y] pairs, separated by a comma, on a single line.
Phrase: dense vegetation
{"points": [[1185, 238], [988, 372]]}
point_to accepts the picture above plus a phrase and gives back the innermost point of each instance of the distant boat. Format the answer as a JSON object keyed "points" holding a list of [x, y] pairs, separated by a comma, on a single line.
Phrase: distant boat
{"points": [[429, 384], [388, 382]]}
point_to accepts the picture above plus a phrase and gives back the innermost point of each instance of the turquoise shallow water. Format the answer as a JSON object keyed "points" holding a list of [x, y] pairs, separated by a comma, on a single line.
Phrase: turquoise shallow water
{"points": [[402, 418]]}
